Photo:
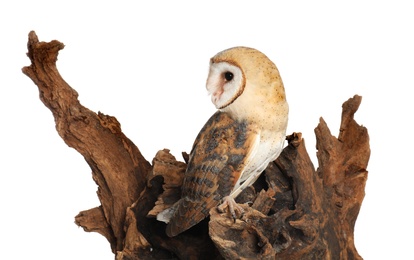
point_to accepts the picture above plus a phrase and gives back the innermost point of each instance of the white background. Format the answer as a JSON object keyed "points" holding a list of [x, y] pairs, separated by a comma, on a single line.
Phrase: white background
{"points": [[147, 64]]}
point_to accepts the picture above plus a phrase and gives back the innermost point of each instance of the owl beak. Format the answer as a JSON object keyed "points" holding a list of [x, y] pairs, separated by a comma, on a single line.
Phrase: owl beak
{"points": [[218, 93], [216, 96], [214, 90]]}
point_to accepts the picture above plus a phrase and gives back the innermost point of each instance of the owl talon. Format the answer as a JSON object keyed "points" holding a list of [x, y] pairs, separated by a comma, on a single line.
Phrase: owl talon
{"points": [[234, 208]]}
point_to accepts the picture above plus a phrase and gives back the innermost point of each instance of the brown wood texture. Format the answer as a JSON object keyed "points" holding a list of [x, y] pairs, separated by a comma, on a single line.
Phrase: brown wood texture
{"points": [[293, 211]]}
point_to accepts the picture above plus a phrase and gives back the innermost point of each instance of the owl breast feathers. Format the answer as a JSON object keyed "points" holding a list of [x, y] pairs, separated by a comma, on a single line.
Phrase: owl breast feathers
{"points": [[238, 141]]}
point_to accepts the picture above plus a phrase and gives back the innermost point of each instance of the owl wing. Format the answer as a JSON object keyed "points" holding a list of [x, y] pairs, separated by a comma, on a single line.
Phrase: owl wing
{"points": [[221, 152]]}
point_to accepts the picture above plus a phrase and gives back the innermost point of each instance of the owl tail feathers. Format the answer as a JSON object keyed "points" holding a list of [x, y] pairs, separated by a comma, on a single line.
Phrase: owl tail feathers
{"points": [[184, 214], [166, 214]]}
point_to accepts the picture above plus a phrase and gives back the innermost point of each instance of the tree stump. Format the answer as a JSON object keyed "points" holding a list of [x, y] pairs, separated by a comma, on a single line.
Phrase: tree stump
{"points": [[296, 212]]}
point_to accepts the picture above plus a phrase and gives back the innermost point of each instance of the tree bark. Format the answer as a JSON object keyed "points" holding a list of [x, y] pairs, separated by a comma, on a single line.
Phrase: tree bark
{"points": [[296, 212]]}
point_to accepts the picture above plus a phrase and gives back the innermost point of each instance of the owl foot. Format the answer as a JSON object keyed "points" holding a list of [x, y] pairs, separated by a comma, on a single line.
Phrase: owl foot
{"points": [[228, 202]]}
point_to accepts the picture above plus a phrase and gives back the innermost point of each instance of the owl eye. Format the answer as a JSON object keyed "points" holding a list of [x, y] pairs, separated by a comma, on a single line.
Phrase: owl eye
{"points": [[228, 76]]}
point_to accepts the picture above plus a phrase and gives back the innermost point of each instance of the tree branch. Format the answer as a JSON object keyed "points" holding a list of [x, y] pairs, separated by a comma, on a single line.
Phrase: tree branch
{"points": [[117, 165]]}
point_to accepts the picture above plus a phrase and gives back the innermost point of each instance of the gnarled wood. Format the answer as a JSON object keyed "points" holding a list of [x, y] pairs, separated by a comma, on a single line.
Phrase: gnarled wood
{"points": [[295, 212], [97, 137]]}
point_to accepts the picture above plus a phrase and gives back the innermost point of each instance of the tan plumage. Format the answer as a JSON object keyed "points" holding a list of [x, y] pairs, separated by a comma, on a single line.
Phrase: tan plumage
{"points": [[238, 141]]}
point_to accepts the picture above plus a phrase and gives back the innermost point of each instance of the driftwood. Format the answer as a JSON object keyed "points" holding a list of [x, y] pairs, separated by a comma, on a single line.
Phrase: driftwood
{"points": [[291, 212]]}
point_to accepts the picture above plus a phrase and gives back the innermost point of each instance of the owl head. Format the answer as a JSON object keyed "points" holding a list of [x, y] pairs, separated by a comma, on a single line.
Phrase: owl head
{"points": [[241, 77]]}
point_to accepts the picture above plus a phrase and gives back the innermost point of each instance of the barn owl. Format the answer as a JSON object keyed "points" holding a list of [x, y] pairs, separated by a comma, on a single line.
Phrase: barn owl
{"points": [[237, 142]]}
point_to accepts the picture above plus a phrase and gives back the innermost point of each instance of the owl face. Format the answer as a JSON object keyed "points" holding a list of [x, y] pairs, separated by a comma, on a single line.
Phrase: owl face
{"points": [[246, 84], [225, 83]]}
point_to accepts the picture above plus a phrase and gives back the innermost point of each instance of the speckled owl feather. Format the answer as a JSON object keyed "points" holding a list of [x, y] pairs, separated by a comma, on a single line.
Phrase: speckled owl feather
{"points": [[218, 158]]}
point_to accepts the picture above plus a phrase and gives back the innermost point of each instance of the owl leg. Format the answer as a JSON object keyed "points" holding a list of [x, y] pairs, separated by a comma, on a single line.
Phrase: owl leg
{"points": [[228, 202]]}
